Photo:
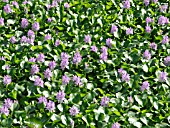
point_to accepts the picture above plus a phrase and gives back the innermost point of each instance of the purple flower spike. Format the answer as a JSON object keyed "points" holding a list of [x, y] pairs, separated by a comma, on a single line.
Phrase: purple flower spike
{"points": [[145, 86], [165, 39], [65, 79], [108, 42], [77, 80], [47, 37], [31, 34], [34, 69], [94, 48], [2, 21], [36, 26], [7, 9], [162, 76], [153, 46], [24, 23], [8, 103], [113, 29], [148, 20], [64, 63], [163, 20], [60, 96], [167, 61], [52, 65], [148, 29], [146, 2], [4, 110], [125, 77], [126, 4], [77, 58], [104, 101], [50, 106], [42, 99], [130, 99], [155, 1], [147, 55], [23, 39], [32, 59], [39, 82], [163, 8], [13, 39], [116, 125], [48, 74], [14, 3], [7, 80], [87, 38], [129, 31], [66, 5], [57, 43], [41, 58], [74, 111]]}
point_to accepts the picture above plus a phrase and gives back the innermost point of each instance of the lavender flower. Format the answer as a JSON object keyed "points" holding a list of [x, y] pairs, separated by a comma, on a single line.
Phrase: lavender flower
{"points": [[77, 80], [77, 58], [153, 46], [113, 29], [52, 65], [121, 71], [39, 82], [87, 38], [163, 8], [7, 80], [57, 42], [104, 101], [66, 5], [5, 1], [148, 29], [30, 41], [2, 58], [126, 77], [42, 99], [162, 76], [147, 55], [49, 19], [145, 86], [116, 125], [108, 42], [24, 23], [50, 106], [155, 1], [146, 2], [64, 56], [15, 4], [130, 99], [94, 48], [64, 63], [34, 69], [41, 57], [36, 26], [163, 20], [60, 96], [13, 39], [2, 21], [72, 123], [23, 39], [65, 79], [47, 37], [31, 34], [7, 9], [126, 4], [32, 59], [165, 39], [104, 49], [167, 61], [8, 103], [54, 3], [129, 31], [103, 56], [148, 20], [48, 7], [4, 110], [48, 74], [74, 111]]}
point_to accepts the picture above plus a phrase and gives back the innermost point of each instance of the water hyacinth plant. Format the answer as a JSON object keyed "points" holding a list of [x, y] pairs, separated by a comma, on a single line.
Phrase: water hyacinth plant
{"points": [[84, 64]]}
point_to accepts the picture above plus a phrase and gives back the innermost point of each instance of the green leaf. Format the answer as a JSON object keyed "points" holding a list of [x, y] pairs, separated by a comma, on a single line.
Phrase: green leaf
{"points": [[63, 119], [145, 68]]}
